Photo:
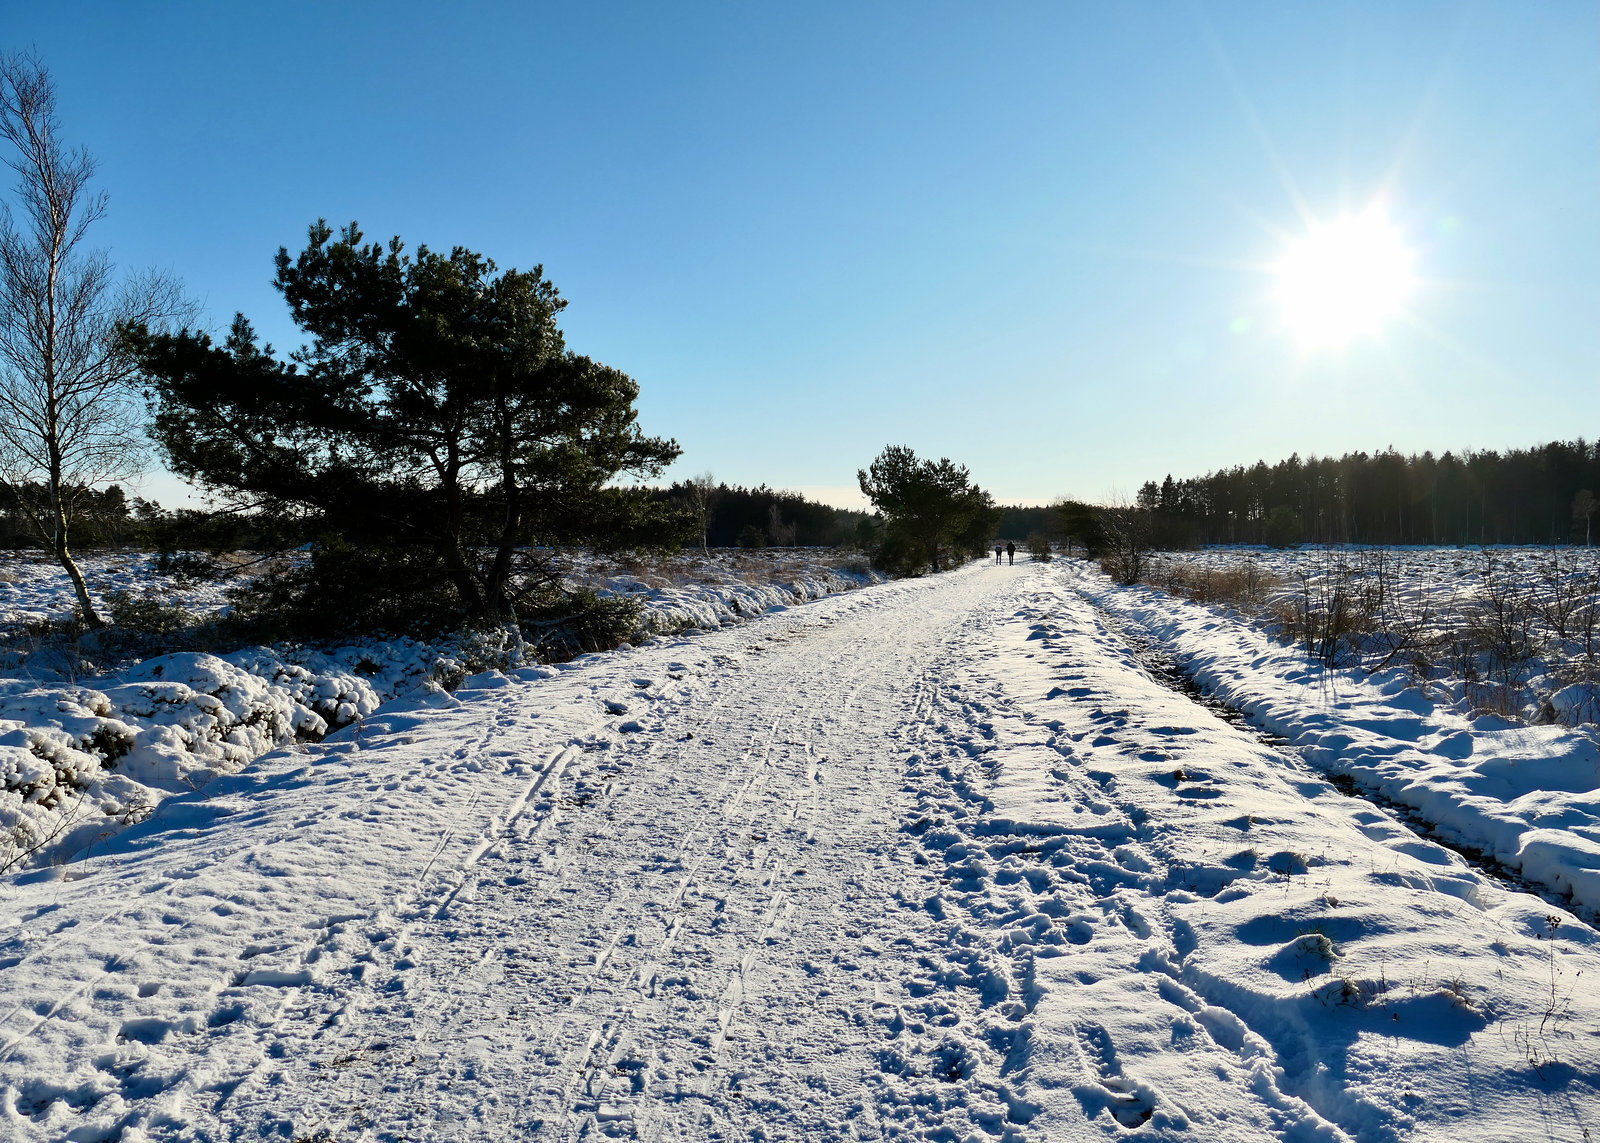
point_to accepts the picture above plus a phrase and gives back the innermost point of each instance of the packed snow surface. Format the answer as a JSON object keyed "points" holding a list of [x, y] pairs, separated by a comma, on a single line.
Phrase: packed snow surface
{"points": [[938, 860]]}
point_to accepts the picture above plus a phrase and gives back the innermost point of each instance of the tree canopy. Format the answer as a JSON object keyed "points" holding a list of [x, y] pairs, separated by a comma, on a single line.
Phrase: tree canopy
{"points": [[929, 505], [434, 415]]}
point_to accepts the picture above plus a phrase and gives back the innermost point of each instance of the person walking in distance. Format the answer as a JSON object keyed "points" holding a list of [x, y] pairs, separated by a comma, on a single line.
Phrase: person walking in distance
{"points": [[997, 551], [1011, 553]]}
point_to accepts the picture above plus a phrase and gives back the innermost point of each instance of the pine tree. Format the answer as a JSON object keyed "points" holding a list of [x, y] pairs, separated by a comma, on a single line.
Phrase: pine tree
{"points": [[434, 425], [929, 503]]}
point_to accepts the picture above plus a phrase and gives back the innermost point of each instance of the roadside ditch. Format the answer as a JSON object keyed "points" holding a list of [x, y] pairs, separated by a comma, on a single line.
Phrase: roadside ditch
{"points": [[1169, 672]]}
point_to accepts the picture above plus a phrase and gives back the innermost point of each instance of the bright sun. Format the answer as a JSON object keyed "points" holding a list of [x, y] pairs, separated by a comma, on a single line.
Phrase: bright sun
{"points": [[1344, 279]]}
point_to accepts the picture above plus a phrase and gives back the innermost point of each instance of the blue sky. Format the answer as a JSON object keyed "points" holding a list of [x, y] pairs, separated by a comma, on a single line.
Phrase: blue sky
{"points": [[1036, 238]]}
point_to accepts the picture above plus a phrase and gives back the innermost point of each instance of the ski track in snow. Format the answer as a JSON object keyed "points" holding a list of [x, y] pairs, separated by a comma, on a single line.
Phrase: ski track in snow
{"points": [[934, 860]]}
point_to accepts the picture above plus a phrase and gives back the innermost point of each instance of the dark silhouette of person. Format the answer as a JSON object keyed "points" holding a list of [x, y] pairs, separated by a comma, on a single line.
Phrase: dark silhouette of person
{"points": [[997, 551], [1011, 553]]}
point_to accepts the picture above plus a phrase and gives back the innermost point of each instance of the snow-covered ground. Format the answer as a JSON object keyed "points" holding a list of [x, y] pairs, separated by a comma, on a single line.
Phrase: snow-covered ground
{"points": [[34, 589], [1513, 630], [84, 755], [937, 860], [685, 590], [1527, 795]]}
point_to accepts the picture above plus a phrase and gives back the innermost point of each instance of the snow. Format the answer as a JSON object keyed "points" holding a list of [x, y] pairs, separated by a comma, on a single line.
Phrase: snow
{"points": [[1438, 613], [1527, 795], [699, 590], [82, 757], [34, 589], [936, 860]]}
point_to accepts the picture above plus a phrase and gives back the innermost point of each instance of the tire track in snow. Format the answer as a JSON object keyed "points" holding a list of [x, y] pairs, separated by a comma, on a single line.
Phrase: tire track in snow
{"points": [[359, 1089], [414, 899], [756, 891]]}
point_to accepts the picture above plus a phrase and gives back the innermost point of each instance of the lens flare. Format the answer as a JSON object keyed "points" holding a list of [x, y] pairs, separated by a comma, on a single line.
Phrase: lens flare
{"points": [[1344, 279]]}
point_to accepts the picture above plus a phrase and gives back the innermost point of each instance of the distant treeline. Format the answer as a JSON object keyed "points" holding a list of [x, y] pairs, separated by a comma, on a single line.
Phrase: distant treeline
{"points": [[1540, 495], [109, 518], [1017, 523], [100, 517], [757, 517]]}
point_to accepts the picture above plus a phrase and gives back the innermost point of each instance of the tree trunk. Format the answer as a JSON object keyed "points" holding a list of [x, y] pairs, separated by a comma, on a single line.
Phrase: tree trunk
{"points": [[58, 508], [79, 587], [461, 578], [496, 599], [466, 584], [63, 554]]}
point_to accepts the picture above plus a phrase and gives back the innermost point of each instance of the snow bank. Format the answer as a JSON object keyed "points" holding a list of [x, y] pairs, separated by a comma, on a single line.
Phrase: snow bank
{"points": [[721, 600], [78, 762], [1529, 796]]}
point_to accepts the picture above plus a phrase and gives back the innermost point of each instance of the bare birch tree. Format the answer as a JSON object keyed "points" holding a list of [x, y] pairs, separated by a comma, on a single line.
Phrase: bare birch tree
{"points": [[70, 416], [701, 495]]}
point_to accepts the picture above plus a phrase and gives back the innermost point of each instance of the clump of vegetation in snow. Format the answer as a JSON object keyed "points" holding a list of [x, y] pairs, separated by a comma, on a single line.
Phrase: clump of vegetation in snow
{"points": [[1509, 632]]}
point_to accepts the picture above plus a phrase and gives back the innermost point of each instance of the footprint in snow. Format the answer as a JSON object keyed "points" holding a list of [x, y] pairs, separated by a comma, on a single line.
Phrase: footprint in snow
{"points": [[1130, 1103]]}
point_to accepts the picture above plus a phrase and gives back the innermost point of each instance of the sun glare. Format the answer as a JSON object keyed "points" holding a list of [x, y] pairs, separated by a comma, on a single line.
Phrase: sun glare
{"points": [[1344, 279]]}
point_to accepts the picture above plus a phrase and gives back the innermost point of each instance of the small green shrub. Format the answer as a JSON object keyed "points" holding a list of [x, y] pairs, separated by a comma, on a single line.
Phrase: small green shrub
{"points": [[563, 623], [147, 613], [189, 565]]}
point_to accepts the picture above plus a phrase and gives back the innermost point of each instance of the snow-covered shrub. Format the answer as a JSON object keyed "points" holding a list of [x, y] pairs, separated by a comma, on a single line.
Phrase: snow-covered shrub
{"points": [[189, 566], [564, 621]]}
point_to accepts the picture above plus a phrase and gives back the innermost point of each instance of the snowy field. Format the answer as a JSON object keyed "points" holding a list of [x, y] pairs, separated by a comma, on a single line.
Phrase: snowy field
{"points": [[85, 754], [686, 590], [1527, 796], [937, 860], [1513, 631]]}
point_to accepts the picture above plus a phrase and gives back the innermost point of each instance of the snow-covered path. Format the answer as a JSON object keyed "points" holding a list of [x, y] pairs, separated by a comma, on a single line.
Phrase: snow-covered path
{"points": [[681, 937], [932, 860]]}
